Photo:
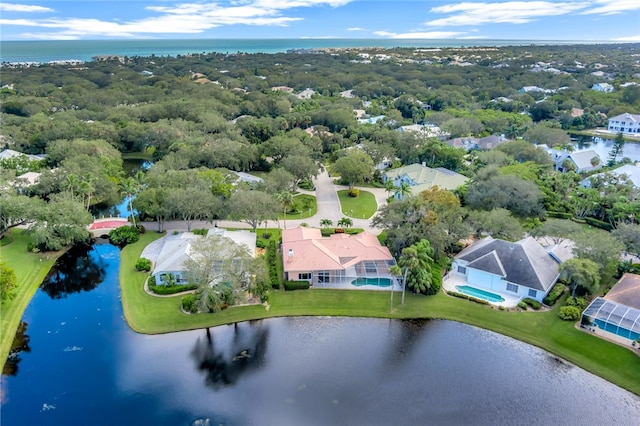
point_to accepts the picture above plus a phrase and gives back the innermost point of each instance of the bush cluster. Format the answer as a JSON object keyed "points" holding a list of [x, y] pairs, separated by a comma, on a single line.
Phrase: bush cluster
{"points": [[201, 231], [522, 305], [143, 264], [173, 289], [124, 235], [189, 303], [578, 302], [272, 262], [354, 192], [464, 296], [532, 302], [598, 223], [559, 215], [554, 294], [261, 243], [569, 313], [296, 285]]}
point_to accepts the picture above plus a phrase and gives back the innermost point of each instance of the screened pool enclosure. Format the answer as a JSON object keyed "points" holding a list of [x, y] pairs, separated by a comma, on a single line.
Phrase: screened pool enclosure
{"points": [[613, 317]]}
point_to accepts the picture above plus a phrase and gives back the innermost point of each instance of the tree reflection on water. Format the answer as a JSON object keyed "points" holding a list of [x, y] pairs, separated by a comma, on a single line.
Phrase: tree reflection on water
{"points": [[223, 364], [74, 272], [20, 344]]}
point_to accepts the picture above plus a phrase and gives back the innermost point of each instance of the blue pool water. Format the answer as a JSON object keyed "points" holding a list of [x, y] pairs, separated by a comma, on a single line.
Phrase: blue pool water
{"points": [[480, 294], [380, 282]]}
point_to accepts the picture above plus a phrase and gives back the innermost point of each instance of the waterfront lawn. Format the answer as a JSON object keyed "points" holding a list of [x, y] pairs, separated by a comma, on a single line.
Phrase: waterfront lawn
{"points": [[361, 207], [149, 314], [31, 269]]}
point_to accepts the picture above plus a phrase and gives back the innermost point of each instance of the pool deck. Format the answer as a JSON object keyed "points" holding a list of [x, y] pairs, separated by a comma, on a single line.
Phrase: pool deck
{"points": [[346, 285], [454, 280]]}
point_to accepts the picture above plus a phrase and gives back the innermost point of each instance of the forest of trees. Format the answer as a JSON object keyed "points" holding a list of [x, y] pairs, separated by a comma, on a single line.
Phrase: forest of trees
{"points": [[201, 118]]}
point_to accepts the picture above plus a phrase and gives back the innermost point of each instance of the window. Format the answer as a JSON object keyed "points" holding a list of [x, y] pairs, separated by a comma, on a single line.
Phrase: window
{"points": [[304, 276], [512, 287], [462, 269], [370, 267], [533, 293], [323, 276]]}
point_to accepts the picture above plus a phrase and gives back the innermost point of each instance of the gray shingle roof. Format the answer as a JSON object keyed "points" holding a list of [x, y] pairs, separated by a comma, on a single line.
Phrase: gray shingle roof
{"points": [[524, 262]]}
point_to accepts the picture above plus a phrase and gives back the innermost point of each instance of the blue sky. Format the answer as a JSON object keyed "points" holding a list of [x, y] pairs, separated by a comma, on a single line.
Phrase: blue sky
{"points": [[582, 20]]}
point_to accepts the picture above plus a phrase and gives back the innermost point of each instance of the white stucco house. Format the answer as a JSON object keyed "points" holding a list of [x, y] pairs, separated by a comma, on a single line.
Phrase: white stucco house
{"points": [[176, 249], [625, 123], [582, 161], [421, 178], [602, 87], [630, 171], [518, 269]]}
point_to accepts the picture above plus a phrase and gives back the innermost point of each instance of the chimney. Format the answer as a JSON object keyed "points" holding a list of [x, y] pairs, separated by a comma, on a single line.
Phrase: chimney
{"points": [[289, 255]]}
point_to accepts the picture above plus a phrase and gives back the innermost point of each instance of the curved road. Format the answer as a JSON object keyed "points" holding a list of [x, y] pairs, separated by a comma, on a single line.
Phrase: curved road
{"points": [[328, 208]]}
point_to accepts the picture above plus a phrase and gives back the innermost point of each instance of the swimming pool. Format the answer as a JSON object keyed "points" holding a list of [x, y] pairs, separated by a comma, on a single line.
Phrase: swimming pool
{"points": [[480, 294], [380, 282]]}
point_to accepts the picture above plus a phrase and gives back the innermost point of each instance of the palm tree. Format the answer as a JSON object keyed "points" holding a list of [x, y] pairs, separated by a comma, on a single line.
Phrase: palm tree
{"points": [[326, 223], [71, 183], [345, 222], [389, 187], [128, 188], [286, 199], [403, 191]]}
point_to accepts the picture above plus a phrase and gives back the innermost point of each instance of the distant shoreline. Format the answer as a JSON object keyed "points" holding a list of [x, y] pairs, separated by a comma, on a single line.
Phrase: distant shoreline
{"points": [[69, 51]]}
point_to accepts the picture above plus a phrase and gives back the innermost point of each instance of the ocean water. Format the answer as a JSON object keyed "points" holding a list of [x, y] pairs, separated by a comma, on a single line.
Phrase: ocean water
{"points": [[85, 50]]}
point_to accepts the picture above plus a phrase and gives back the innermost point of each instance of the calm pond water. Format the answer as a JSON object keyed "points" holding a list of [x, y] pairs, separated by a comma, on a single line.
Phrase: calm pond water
{"points": [[81, 364], [603, 147]]}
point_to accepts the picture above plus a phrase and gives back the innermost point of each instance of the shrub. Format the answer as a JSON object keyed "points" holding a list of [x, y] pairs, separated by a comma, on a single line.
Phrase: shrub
{"points": [[598, 223], [569, 313], [189, 303], [141, 229], [578, 302], [272, 259], [260, 243], [151, 281], [266, 235], [554, 294], [522, 305], [143, 264], [200, 231], [464, 296], [123, 235], [354, 192], [164, 290], [560, 215], [296, 285], [532, 302], [436, 280]]}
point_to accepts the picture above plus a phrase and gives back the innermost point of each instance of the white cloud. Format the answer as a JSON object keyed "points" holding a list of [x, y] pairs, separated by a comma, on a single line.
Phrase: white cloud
{"points": [[8, 7], [182, 18], [628, 38], [513, 12], [355, 29], [612, 7], [425, 35]]}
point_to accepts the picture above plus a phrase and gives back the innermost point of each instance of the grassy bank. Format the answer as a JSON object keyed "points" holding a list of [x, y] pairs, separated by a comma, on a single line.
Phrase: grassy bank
{"points": [[31, 269], [361, 207], [148, 314]]}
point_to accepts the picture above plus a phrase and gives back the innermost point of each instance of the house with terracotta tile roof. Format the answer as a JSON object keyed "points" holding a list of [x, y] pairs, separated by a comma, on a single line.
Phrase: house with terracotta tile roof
{"points": [[334, 261]]}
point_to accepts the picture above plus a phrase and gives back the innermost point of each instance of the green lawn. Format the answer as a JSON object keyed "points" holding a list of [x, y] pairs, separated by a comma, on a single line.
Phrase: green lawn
{"points": [[361, 207], [31, 269], [149, 314], [303, 206]]}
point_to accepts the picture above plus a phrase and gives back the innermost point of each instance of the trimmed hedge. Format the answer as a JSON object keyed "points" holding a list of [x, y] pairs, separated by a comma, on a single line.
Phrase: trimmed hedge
{"points": [[272, 259], [173, 289], [189, 303], [471, 298], [560, 215], [598, 223], [532, 302], [554, 294], [296, 285]]}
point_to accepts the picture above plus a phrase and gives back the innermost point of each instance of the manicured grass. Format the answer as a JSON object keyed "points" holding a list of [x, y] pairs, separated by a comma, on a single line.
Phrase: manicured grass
{"points": [[148, 314], [361, 207], [304, 206], [31, 269]]}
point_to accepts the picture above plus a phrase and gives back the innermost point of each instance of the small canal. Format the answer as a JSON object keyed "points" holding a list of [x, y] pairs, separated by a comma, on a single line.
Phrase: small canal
{"points": [[77, 362]]}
